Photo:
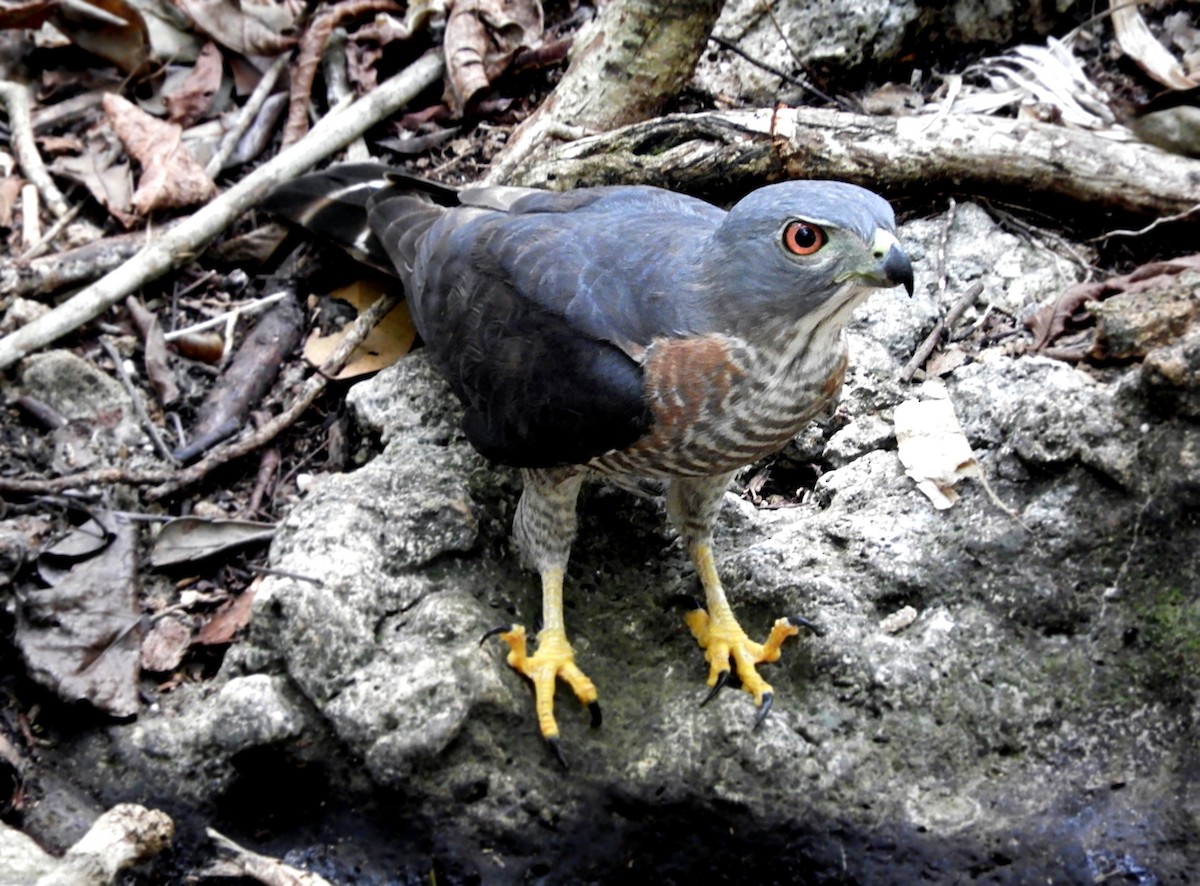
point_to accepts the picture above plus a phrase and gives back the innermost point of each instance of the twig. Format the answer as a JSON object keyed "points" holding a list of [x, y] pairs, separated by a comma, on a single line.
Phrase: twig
{"points": [[267, 870], [17, 97], [283, 573], [312, 47], [179, 245], [268, 469], [943, 242], [310, 391], [144, 417], [931, 341], [97, 477], [76, 266], [1150, 227], [55, 229], [250, 308], [246, 115], [782, 75], [31, 222]]}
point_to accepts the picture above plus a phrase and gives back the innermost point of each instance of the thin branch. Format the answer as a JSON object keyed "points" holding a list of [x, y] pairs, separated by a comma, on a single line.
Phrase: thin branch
{"points": [[19, 101], [47, 238], [1179, 216], [246, 116], [135, 398], [310, 391], [180, 245], [251, 308], [931, 340], [97, 477]]}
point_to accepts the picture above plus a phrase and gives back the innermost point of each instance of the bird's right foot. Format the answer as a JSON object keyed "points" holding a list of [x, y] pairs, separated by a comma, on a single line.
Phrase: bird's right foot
{"points": [[554, 659]]}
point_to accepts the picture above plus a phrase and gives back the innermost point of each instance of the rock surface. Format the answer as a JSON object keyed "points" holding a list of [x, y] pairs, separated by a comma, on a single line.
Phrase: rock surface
{"points": [[847, 37], [1005, 691]]}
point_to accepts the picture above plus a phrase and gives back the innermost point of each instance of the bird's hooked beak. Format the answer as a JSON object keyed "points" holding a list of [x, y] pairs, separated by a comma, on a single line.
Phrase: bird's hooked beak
{"points": [[893, 266]]}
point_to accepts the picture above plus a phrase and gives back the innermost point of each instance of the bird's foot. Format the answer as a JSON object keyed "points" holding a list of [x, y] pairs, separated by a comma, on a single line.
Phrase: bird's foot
{"points": [[554, 659], [728, 649]]}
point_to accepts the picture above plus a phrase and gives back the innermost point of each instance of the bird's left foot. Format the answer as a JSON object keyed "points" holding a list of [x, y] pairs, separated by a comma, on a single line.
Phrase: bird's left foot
{"points": [[728, 649]]}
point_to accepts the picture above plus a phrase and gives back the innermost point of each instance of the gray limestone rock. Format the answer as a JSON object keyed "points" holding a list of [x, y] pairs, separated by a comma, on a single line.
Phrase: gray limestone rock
{"points": [[1032, 721], [101, 424], [801, 37]]}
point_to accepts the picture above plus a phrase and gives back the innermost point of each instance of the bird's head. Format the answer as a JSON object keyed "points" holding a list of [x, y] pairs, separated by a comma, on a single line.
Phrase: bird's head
{"points": [[806, 249]]}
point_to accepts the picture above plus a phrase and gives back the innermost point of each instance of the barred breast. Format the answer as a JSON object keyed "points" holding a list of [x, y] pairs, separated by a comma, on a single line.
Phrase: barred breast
{"points": [[720, 403]]}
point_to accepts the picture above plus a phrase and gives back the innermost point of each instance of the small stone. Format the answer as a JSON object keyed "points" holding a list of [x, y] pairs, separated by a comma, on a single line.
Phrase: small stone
{"points": [[898, 620]]}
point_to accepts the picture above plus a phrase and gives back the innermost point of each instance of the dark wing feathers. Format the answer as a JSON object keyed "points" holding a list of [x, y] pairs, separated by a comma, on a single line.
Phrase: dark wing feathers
{"points": [[526, 326]]}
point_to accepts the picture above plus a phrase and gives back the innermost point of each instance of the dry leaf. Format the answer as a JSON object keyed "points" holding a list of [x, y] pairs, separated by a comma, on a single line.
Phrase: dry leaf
{"points": [[104, 171], [383, 346], [112, 29], [81, 543], [194, 538], [1140, 45], [417, 16], [165, 645], [245, 27], [154, 352], [32, 15], [80, 638], [482, 36], [171, 177], [933, 448], [192, 100], [229, 619]]}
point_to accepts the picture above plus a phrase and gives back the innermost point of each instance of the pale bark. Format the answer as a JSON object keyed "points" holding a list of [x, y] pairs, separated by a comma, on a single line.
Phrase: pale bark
{"points": [[1031, 164], [636, 56]]}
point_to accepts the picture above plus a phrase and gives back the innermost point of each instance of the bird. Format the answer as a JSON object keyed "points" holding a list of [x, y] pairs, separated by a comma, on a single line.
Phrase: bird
{"points": [[623, 332]]}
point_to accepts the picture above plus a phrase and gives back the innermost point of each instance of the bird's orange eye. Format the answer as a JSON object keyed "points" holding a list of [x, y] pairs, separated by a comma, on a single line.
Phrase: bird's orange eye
{"points": [[802, 238]]}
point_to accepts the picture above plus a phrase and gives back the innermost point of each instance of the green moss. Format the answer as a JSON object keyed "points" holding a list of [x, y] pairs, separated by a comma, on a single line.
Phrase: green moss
{"points": [[1168, 640]]}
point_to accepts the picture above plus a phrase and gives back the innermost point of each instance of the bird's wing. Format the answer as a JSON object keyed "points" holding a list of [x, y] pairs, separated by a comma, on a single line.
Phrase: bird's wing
{"points": [[534, 310], [535, 305]]}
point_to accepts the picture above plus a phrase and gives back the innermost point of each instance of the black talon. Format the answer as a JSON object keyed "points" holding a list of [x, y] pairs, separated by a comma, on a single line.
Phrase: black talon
{"points": [[799, 621], [556, 746], [764, 709], [503, 629], [594, 707], [722, 679], [681, 601]]}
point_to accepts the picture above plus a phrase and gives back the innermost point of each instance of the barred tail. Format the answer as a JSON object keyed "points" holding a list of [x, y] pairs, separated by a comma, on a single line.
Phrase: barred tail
{"points": [[346, 204]]}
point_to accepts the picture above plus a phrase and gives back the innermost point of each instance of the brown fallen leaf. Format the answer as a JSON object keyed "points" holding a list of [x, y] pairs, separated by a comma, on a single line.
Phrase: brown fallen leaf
{"points": [[193, 538], [171, 177], [383, 346], [165, 645], [154, 352], [1142, 319], [230, 618], [245, 27], [482, 36], [112, 29], [310, 53], [1049, 323], [81, 638], [193, 99], [103, 169], [31, 14]]}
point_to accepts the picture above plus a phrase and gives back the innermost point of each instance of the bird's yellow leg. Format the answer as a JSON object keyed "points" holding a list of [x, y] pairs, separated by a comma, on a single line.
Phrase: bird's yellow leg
{"points": [[717, 631], [553, 659]]}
